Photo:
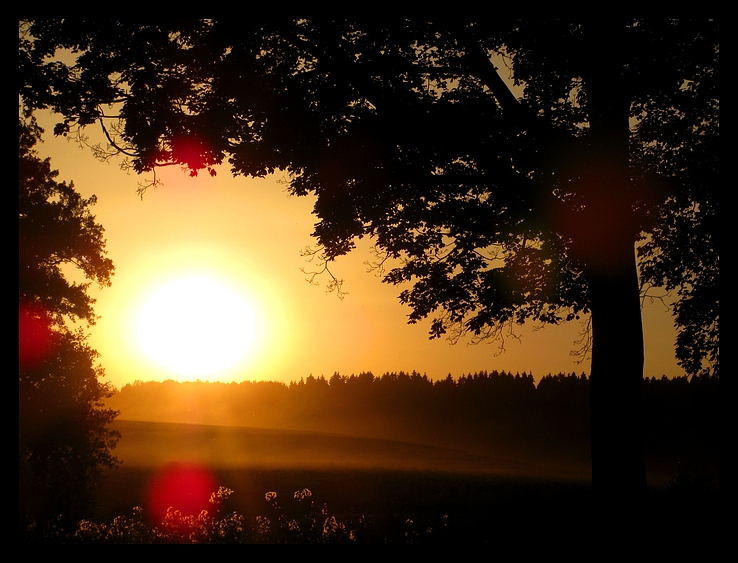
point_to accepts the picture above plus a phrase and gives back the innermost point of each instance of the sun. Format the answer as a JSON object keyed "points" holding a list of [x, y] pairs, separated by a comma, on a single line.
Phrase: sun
{"points": [[196, 326]]}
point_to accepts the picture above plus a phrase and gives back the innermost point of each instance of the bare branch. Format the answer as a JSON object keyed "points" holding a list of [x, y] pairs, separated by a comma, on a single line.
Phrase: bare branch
{"points": [[144, 186], [646, 294], [378, 267], [334, 284], [584, 351], [113, 143]]}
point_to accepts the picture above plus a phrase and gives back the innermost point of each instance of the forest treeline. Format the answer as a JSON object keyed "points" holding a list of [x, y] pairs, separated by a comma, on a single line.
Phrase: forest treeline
{"points": [[481, 411]]}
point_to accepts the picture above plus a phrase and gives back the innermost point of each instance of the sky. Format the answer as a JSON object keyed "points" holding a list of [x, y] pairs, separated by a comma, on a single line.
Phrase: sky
{"points": [[247, 235]]}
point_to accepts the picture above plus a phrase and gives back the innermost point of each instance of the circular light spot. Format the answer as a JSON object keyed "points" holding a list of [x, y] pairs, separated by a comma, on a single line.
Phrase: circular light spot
{"points": [[183, 487], [196, 326]]}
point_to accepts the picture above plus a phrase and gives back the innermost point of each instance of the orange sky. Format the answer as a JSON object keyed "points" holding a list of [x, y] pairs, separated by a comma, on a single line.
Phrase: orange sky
{"points": [[248, 233]]}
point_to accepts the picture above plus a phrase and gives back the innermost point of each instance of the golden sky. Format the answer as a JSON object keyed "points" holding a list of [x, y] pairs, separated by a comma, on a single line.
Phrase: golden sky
{"points": [[246, 235]]}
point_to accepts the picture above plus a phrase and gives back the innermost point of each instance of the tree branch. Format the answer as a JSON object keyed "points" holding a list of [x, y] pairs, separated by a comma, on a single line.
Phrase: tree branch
{"points": [[113, 143], [334, 283], [481, 66]]}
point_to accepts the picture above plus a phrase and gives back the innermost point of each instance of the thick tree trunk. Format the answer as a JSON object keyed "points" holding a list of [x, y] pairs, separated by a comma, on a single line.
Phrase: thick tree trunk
{"points": [[618, 467], [607, 248]]}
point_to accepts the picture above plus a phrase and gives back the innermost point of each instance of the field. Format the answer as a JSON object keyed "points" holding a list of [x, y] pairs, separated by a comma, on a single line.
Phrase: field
{"points": [[398, 491]]}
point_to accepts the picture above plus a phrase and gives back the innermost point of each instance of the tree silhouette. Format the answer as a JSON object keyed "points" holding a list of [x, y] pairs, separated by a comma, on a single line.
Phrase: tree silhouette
{"points": [[499, 205], [64, 440]]}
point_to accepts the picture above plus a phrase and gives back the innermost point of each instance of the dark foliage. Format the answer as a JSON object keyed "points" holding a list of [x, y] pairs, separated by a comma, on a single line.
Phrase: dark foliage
{"points": [[64, 442], [406, 132]]}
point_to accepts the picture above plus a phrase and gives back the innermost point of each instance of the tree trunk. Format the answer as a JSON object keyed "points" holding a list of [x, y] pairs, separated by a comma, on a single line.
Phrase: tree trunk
{"points": [[618, 467], [607, 247]]}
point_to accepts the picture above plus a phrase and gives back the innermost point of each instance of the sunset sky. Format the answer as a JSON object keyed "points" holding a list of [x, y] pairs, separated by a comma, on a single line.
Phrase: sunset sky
{"points": [[246, 236]]}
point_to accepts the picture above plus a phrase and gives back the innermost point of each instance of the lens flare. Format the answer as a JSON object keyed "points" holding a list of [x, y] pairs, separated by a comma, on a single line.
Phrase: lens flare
{"points": [[181, 486], [35, 336]]}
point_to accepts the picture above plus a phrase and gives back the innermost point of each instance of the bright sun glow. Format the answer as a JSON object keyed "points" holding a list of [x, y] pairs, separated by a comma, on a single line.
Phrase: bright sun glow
{"points": [[196, 326]]}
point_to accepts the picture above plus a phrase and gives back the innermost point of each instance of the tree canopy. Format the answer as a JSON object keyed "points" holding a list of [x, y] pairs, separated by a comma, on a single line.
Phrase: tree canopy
{"points": [[56, 227], [64, 440], [407, 133], [504, 168]]}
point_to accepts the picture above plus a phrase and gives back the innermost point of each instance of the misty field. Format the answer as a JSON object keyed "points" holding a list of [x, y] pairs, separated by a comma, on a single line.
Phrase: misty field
{"points": [[398, 488], [392, 491], [488, 458], [232, 451]]}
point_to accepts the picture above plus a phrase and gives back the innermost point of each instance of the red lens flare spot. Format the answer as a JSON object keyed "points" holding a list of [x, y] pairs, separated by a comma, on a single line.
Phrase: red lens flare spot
{"points": [[35, 336], [193, 152], [183, 487]]}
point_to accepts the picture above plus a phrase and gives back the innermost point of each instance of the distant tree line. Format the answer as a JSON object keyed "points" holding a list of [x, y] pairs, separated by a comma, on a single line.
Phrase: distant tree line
{"points": [[478, 411]]}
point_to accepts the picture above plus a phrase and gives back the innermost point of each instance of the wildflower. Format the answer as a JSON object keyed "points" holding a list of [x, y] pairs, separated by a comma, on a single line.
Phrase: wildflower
{"points": [[220, 495], [263, 525], [303, 494], [331, 527]]}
